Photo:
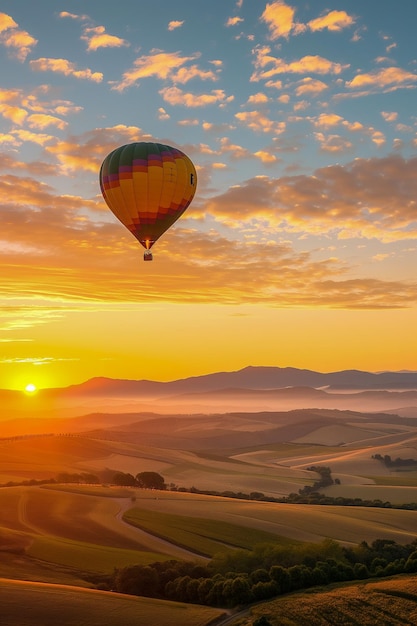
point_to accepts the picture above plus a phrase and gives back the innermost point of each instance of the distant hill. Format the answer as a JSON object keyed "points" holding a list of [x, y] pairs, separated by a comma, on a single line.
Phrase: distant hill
{"points": [[250, 389], [247, 378]]}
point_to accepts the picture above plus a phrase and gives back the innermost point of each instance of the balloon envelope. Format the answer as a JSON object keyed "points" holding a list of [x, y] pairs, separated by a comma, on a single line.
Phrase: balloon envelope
{"points": [[147, 186]]}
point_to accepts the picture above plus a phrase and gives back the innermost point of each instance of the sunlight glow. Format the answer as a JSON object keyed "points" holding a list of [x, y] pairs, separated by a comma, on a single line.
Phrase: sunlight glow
{"points": [[30, 388]]}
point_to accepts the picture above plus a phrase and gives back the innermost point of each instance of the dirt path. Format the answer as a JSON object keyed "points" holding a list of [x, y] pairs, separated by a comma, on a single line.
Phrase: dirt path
{"points": [[109, 514]]}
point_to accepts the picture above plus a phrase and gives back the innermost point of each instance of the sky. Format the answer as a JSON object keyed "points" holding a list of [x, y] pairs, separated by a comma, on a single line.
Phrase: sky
{"points": [[299, 248]]}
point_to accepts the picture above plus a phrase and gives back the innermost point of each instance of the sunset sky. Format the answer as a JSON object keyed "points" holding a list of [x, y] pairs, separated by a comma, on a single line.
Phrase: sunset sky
{"points": [[299, 248]]}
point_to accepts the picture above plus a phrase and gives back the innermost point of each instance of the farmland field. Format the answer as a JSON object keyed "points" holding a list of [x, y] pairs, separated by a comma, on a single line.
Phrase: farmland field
{"points": [[76, 534], [87, 532], [36, 604], [386, 603]]}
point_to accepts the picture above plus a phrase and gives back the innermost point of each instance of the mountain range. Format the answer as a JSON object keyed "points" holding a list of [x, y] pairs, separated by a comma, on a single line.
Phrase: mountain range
{"points": [[249, 389], [259, 378]]}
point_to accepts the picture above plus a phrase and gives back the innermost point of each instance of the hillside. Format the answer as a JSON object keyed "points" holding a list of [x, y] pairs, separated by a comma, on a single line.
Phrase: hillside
{"points": [[389, 602], [42, 604]]}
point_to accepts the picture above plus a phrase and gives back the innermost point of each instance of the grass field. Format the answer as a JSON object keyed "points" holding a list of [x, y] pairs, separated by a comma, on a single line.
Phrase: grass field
{"points": [[203, 536], [385, 603], [36, 604]]}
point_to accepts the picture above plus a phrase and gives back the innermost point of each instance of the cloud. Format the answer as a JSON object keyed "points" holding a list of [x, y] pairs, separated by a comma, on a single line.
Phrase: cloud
{"points": [[260, 122], [310, 86], [391, 77], [6, 22], [54, 241], [258, 98], [98, 38], [15, 114], [158, 64], [177, 97], [267, 66], [174, 24], [26, 109], [74, 16], [41, 121], [367, 198], [279, 18], [389, 116], [162, 114], [333, 143], [19, 43], [232, 272], [235, 151], [232, 21], [334, 21], [267, 158], [327, 120], [86, 152], [62, 66], [184, 74], [193, 121]]}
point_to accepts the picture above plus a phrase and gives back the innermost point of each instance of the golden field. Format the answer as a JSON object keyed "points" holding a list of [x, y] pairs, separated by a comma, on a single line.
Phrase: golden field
{"points": [[67, 534]]}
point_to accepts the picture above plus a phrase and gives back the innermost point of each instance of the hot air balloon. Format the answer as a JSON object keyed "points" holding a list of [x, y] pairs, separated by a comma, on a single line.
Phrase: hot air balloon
{"points": [[147, 186]]}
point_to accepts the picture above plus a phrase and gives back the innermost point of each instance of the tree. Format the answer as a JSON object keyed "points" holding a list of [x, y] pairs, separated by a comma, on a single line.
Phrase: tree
{"points": [[124, 480], [281, 576], [150, 480], [138, 580]]}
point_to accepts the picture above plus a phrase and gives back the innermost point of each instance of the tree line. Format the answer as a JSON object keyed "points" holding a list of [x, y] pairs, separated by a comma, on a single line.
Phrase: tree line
{"points": [[395, 463], [240, 577]]}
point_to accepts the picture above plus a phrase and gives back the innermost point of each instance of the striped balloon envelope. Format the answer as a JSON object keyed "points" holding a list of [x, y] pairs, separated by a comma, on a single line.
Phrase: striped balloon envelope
{"points": [[147, 186]]}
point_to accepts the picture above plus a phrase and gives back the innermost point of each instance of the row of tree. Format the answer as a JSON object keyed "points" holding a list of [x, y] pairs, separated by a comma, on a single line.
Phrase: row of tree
{"points": [[242, 577], [144, 480], [395, 463]]}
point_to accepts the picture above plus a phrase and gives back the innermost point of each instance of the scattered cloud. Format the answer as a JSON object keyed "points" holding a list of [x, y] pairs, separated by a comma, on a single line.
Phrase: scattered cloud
{"points": [[267, 66], [389, 116], [260, 122], [279, 18], [174, 24], [232, 21], [63, 66], [19, 43], [310, 86], [74, 16], [177, 97], [158, 64], [98, 38], [333, 21], [390, 77], [41, 121]]}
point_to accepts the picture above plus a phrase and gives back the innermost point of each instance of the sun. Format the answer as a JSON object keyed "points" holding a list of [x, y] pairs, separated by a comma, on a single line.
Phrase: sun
{"points": [[30, 388]]}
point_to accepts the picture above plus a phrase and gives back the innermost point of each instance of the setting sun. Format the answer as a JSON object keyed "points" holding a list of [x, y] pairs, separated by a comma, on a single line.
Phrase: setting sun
{"points": [[30, 388]]}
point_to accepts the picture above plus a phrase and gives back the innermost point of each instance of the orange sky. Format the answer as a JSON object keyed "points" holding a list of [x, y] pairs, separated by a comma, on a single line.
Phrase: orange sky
{"points": [[163, 341]]}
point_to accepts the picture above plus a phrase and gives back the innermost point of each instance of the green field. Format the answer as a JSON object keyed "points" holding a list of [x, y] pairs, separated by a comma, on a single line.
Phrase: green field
{"points": [[88, 557], [203, 536]]}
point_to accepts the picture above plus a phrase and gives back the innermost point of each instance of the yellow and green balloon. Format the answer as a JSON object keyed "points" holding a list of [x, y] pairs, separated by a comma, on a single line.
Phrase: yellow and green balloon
{"points": [[147, 186]]}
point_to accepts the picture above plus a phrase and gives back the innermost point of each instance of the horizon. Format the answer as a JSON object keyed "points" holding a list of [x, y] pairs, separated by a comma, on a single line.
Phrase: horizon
{"points": [[34, 388], [299, 246]]}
